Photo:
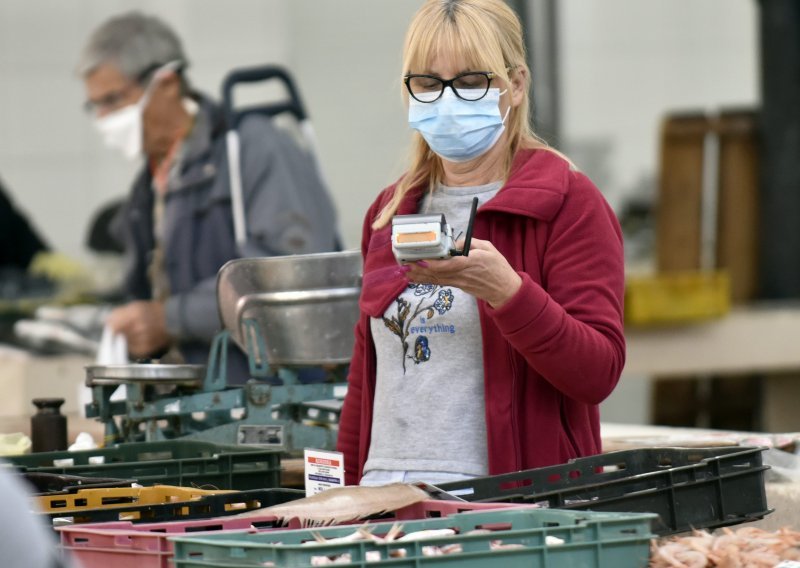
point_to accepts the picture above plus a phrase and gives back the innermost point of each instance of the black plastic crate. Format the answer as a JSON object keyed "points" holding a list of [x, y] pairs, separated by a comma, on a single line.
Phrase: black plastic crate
{"points": [[187, 463], [59, 484], [209, 506], [689, 488]]}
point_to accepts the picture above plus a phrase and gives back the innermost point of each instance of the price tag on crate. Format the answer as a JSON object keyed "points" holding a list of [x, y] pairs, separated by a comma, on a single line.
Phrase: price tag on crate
{"points": [[323, 470]]}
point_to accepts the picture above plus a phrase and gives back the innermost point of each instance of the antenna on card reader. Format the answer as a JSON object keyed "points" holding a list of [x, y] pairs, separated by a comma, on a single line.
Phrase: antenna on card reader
{"points": [[468, 238]]}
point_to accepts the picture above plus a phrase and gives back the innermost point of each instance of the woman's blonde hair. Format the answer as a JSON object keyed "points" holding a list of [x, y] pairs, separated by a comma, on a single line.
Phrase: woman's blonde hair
{"points": [[488, 34]]}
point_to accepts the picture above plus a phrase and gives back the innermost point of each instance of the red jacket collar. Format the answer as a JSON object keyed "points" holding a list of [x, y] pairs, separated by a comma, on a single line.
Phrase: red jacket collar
{"points": [[535, 188]]}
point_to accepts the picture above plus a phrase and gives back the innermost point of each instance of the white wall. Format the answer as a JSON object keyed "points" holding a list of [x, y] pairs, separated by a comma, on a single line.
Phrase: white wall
{"points": [[347, 55], [50, 158], [625, 63], [347, 70]]}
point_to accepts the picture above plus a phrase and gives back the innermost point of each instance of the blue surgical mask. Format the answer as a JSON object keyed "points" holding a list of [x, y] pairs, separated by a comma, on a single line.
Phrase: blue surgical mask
{"points": [[459, 130]]}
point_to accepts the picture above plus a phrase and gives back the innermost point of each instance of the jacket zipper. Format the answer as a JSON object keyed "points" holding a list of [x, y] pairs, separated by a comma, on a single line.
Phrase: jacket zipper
{"points": [[567, 430], [514, 412], [514, 397]]}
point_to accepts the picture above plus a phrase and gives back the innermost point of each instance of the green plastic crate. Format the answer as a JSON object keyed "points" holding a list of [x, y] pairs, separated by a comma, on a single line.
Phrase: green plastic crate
{"points": [[187, 463], [590, 540]]}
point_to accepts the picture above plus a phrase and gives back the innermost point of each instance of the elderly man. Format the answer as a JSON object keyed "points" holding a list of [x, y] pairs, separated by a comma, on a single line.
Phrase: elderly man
{"points": [[177, 224]]}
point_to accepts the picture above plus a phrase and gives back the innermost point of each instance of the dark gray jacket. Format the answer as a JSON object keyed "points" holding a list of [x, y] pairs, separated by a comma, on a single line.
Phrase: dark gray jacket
{"points": [[288, 211]]}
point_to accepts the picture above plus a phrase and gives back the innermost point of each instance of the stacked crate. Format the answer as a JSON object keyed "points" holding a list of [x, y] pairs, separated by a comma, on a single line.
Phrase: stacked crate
{"points": [[707, 253]]}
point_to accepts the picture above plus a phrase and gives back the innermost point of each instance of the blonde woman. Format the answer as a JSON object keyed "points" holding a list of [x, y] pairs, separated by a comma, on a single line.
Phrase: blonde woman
{"points": [[496, 361]]}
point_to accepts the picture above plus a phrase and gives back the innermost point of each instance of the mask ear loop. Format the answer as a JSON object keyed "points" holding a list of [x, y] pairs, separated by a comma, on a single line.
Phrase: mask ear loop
{"points": [[505, 116], [158, 75], [508, 110]]}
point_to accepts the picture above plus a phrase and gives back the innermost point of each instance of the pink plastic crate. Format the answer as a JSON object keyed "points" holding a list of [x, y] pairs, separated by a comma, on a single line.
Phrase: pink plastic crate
{"points": [[145, 545]]}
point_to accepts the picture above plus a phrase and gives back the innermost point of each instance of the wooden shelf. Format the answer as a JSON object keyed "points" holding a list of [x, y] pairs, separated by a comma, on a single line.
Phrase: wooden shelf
{"points": [[756, 339]]}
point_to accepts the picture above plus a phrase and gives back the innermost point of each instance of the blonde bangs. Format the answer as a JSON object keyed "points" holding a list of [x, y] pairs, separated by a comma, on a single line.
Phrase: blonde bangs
{"points": [[434, 34]]}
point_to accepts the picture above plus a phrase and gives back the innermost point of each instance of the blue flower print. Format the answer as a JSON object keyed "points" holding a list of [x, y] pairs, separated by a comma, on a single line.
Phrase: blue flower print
{"points": [[423, 289], [421, 350], [427, 301], [444, 302]]}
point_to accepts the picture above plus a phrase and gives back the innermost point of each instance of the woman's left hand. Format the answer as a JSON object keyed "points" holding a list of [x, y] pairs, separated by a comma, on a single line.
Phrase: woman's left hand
{"points": [[485, 273]]}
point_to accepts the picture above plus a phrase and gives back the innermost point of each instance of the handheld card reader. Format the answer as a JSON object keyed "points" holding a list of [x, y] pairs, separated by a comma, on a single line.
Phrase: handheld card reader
{"points": [[420, 237]]}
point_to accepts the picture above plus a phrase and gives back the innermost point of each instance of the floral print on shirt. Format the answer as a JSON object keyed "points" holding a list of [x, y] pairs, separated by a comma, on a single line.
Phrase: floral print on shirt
{"points": [[433, 300]]}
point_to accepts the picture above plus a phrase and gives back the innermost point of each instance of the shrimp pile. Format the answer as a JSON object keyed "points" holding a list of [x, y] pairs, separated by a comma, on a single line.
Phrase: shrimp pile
{"points": [[747, 547]]}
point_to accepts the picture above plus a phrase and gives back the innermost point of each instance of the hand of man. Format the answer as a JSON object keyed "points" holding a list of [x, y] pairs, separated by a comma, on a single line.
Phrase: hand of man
{"points": [[144, 325]]}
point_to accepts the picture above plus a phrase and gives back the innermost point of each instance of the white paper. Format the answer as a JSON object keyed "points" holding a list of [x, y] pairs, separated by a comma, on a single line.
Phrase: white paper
{"points": [[323, 470], [84, 441], [113, 350]]}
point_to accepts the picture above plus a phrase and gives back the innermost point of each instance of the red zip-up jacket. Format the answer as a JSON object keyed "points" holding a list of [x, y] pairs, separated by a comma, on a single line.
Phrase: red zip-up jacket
{"points": [[551, 353]]}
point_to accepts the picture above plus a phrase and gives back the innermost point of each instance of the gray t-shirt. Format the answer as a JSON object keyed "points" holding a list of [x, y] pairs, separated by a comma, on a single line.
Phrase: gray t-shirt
{"points": [[429, 399]]}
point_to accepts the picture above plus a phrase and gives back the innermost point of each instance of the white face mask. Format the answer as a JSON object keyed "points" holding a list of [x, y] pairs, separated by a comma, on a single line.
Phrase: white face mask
{"points": [[122, 129]]}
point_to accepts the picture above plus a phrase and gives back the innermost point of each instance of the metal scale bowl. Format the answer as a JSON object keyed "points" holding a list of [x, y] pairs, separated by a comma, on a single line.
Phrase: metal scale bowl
{"points": [[285, 313], [305, 306]]}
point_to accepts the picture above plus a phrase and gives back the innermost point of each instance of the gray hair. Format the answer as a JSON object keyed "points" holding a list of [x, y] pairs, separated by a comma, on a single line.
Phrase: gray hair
{"points": [[135, 43]]}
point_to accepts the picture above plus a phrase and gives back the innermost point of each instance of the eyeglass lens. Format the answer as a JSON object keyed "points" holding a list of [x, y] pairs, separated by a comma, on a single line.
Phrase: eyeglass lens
{"points": [[109, 101], [470, 86]]}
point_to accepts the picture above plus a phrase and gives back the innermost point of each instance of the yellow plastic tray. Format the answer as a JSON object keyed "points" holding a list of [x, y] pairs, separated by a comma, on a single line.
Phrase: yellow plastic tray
{"points": [[109, 497], [679, 297]]}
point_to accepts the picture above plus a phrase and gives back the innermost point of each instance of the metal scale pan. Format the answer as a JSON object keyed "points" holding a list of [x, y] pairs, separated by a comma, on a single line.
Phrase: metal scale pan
{"points": [[145, 374], [305, 306]]}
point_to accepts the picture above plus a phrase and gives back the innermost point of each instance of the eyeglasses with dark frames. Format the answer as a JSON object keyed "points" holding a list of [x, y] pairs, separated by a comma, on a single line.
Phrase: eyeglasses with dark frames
{"points": [[113, 100], [469, 86], [110, 101]]}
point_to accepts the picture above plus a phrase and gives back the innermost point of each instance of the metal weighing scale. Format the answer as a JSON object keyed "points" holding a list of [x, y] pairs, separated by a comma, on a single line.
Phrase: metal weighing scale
{"points": [[286, 313]]}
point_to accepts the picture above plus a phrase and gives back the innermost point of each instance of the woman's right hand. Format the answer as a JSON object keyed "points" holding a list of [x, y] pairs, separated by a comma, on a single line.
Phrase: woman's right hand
{"points": [[485, 273]]}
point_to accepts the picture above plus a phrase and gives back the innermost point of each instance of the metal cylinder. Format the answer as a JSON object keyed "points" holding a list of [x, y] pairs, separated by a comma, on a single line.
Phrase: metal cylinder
{"points": [[48, 426]]}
